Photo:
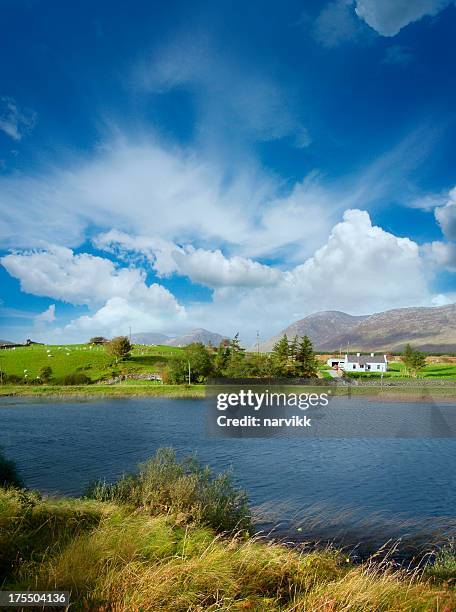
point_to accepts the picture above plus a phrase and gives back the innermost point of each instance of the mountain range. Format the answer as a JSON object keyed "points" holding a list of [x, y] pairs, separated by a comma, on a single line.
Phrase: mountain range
{"points": [[195, 335], [428, 329]]}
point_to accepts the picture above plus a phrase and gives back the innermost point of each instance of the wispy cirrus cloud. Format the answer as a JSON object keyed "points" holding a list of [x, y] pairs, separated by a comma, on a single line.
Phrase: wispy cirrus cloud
{"points": [[14, 122], [227, 92]]}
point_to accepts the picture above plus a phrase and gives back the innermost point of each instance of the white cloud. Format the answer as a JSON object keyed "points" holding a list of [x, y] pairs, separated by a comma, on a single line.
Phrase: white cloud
{"points": [[227, 92], [157, 310], [446, 216], [361, 269], [78, 279], [206, 267], [442, 254], [213, 269], [388, 17], [14, 122], [47, 316], [117, 297], [155, 250]]}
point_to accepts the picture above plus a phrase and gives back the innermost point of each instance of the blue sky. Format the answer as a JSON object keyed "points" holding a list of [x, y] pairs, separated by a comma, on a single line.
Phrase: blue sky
{"points": [[223, 166]]}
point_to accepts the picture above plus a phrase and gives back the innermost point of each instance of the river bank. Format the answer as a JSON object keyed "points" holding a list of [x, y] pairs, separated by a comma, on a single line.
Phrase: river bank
{"points": [[399, 391], [103, 391]]}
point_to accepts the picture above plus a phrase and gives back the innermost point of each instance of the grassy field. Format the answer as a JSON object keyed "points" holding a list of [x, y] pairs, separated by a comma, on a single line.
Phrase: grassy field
{"points": [[176, 538], [93, 361]]}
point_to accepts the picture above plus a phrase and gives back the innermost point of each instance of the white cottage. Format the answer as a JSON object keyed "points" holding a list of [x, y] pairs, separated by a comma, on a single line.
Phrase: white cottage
{"points": [[360, 363]]}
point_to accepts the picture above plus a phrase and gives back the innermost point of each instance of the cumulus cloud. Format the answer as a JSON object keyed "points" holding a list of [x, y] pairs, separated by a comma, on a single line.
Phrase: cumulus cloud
{"points": [[213, 269], [117, 297], [446, 216], [361, 269], [156, 310], [78, 279], [207, 267], [442, 254], [157, 251], [14, 122], [47, 316], [388, 17]]}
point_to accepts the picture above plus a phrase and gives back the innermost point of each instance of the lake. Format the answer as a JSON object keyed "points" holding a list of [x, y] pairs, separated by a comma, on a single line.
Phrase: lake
{"points": [[332, 488]]}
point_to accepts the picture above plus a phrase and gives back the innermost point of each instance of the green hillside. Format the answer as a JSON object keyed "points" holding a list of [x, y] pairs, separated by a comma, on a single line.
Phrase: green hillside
{"points": [[93, 361]]}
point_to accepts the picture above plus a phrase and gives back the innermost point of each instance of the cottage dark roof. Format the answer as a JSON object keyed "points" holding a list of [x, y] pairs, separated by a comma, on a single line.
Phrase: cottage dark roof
{"points": [[365, 359]]}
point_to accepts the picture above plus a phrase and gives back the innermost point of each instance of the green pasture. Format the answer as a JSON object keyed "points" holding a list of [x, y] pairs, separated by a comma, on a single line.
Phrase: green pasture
{"points": [[93, 361]]}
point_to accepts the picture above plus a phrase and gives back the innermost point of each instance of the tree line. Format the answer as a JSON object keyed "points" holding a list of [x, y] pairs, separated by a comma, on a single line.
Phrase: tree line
{"points": [[288, 359]]}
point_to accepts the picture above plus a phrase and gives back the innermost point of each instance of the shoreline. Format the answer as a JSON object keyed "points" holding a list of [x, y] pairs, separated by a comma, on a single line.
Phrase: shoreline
{"points": [[398, 392]]}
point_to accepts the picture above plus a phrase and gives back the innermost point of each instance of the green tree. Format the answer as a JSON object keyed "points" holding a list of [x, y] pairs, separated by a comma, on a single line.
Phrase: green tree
{"points": [[280, 357], [45, 373], [221, 360], [306, 365], [414, 361], [235, 367], [294, 345], [200, 360], [119, 347], [98, 340], [407, 356], [198, 357]]}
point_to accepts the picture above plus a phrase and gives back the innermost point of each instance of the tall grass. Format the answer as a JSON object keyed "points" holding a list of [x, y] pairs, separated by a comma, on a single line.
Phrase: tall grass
{"points": [[149, 543], [185, 489]]}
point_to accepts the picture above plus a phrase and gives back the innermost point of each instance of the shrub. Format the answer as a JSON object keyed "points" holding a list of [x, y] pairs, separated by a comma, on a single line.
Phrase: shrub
{"points": [[75, 378], [184, 488], [45, 373], [444, 566], [14, 379]]}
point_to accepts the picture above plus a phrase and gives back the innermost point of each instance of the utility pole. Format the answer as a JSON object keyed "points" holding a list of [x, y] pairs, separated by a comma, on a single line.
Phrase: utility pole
{"points": [[258, 341], [189, 373]]}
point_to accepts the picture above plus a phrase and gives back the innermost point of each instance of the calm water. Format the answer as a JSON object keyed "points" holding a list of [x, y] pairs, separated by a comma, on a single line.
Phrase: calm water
{"points": [[60, 447]]}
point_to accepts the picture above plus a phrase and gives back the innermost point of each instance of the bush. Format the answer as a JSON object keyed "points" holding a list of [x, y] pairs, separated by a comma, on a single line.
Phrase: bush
{"points": [[75, 378], [184, 488], [13, 379], [9, 476], [45, 373]]}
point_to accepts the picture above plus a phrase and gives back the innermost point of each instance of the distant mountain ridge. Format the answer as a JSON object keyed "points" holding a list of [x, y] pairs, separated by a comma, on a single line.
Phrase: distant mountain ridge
{"points": [[429, 329], [195, 335]]}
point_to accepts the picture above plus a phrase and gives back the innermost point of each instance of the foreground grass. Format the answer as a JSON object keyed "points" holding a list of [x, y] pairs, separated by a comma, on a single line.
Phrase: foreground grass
{"points": [[176, 538]]}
